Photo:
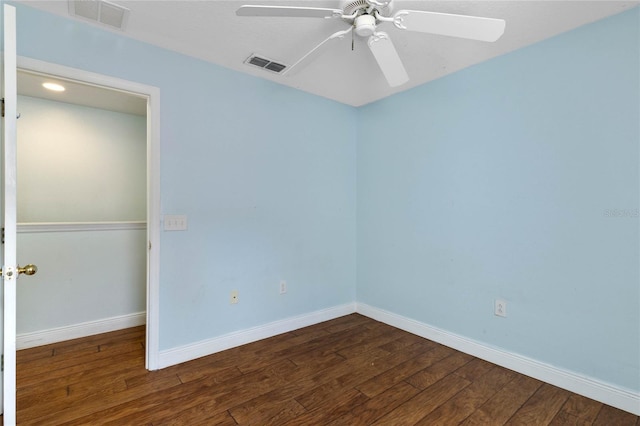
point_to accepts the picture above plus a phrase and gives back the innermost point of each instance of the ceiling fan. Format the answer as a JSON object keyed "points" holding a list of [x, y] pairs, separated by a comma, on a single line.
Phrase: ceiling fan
{"points": [[364, 16]]}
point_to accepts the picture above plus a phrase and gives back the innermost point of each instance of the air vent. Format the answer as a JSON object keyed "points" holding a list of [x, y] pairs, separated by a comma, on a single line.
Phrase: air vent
{"points": [[265, 63], [101, 11], [275, 67]]}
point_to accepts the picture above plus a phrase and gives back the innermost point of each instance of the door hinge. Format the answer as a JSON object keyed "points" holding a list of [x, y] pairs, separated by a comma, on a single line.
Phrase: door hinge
{"points": [[3, 107], [2, 363], [3, 235]]}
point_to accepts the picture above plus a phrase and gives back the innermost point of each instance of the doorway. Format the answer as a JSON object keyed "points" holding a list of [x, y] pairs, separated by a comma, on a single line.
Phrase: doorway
{"points": [[95, 92]]}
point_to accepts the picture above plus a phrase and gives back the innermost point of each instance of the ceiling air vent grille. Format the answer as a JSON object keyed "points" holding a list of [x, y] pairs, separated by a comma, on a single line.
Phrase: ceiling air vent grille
{"points": [[101, 11], [265, 63]]}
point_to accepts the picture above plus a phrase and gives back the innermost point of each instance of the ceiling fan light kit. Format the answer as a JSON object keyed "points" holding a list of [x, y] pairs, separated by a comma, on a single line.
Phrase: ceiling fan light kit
{"points": [[365, 25], [364, 16]]}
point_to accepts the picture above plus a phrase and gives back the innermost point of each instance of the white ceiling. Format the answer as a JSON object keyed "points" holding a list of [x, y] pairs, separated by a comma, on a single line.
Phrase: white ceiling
{"points": [[210, 30]]}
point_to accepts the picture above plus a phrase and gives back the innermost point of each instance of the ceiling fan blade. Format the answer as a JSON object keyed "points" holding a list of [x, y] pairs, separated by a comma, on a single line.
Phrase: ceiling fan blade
{"points": [[388, 59], [288, 11], [316, 52], [471, 27]]}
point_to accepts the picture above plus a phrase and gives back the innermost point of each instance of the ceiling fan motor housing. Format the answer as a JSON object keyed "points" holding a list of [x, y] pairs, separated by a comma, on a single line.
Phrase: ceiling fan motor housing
{"points": [[350, 7], [365, 25]]}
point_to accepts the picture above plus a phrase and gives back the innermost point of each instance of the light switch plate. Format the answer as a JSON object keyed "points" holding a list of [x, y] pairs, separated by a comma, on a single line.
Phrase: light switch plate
{"points": [[175, 222]]}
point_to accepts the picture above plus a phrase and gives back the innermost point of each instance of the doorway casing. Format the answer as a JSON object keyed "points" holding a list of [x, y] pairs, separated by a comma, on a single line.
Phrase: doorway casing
{"points": [[152, 95]]}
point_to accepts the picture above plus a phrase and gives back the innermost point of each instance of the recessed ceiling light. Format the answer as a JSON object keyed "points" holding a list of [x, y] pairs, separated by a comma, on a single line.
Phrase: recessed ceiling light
{"points": [[53, 86]]}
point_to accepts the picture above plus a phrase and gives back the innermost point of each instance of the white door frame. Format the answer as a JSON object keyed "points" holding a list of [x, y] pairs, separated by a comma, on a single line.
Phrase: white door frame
{"points": [[10, 273], [152, 95]]}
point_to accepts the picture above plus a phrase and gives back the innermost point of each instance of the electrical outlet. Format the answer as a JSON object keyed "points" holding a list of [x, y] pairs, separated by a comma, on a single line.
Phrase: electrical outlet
{"points": [[283, 287], [500, 308], [234, 297]]}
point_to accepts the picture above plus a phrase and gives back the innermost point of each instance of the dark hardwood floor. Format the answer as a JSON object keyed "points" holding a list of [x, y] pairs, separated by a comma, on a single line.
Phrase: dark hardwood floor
{"points": [[348, 371]]}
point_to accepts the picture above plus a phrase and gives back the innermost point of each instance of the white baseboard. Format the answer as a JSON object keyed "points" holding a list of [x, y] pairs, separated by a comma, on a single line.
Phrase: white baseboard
{"points": [[623, 399], [60, 334], [217, 344]]}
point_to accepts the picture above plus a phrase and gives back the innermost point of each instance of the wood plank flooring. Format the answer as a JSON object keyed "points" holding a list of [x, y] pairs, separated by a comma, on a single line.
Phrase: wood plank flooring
{"points": [[348, 371]]}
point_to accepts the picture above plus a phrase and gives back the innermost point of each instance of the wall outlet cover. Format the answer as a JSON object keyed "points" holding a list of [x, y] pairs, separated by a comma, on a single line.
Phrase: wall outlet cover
{"points": [[500, 308]]}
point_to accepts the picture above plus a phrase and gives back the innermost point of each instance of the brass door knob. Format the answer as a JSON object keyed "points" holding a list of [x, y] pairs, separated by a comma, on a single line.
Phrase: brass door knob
{"points": [[27, 269]]}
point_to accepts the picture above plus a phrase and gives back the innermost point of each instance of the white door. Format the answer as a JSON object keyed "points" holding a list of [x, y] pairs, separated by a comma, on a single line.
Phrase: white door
{"points": [[8, 212]]}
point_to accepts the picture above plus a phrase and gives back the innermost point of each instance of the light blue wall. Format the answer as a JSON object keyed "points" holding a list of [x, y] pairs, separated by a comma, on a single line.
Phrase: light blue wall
{"points": [[516, 179], [265, 174]]}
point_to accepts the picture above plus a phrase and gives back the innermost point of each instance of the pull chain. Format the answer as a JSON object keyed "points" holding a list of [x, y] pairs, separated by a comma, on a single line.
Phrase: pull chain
{"points": [[352, 39]]}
